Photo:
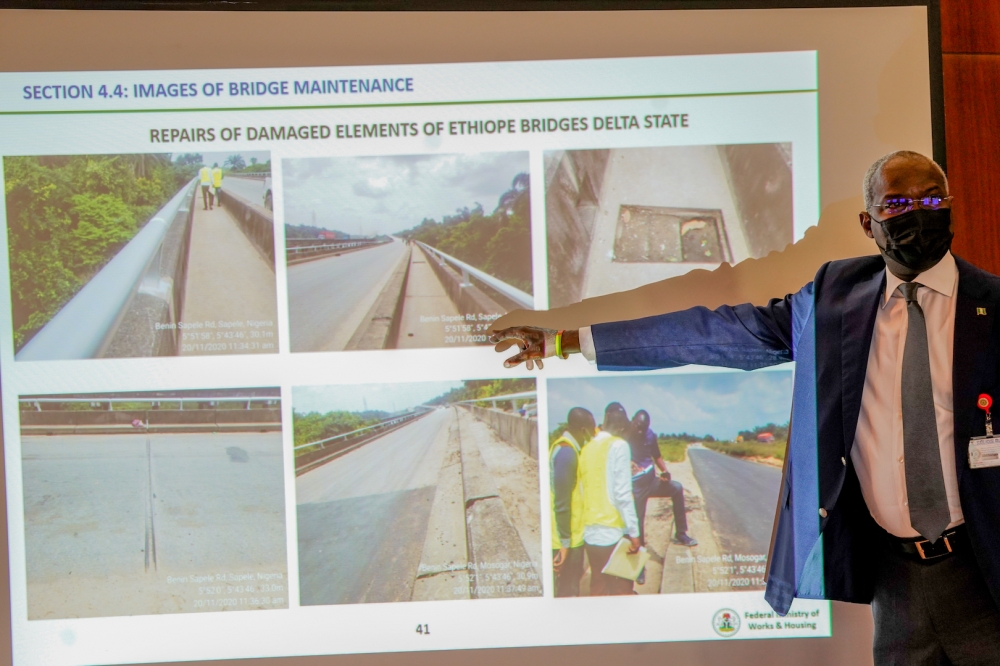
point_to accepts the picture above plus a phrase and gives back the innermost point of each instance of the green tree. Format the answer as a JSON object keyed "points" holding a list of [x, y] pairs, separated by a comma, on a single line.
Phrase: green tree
{"points": [[67, 216], [235, 162], [498, 243]]}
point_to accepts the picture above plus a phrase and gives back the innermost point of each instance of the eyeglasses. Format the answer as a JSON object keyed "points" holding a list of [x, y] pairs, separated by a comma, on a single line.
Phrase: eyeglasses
{"points": [[901, 204]]}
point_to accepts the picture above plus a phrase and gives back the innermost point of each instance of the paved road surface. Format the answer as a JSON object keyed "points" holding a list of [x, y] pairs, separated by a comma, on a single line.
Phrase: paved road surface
{"points": [[251, 189], [328, 298], [217, 507], [227, 280], [740, 497], [425, 296], [362, 518]]}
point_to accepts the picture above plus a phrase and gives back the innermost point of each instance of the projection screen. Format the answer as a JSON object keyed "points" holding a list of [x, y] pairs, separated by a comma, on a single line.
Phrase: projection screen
{"points": [[251, 262]]}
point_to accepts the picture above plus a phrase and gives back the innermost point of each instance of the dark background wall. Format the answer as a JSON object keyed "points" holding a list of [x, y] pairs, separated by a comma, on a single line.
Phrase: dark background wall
{"points": [[970, 40]]}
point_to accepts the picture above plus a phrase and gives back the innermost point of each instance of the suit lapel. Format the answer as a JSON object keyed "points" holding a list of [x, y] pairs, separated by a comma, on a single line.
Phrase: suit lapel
{"points": [[857, 325], [972, 339]]}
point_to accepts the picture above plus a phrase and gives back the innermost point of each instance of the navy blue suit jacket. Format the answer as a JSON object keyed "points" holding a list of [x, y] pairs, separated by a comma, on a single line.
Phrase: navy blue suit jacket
{"points": [[824, 532]]}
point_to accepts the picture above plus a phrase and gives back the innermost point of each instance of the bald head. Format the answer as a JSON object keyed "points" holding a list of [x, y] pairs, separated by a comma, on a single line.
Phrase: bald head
{"points": [[616, 420], [902, 162], [581, 423]]}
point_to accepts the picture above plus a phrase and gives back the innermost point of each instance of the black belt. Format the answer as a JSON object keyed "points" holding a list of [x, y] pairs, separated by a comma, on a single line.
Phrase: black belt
{"points": [[955, 539]]}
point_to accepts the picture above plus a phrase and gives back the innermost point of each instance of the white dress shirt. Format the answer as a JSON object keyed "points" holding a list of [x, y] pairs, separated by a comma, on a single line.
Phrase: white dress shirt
{"points": [[587, 344], [619, 487], [878, 442]]}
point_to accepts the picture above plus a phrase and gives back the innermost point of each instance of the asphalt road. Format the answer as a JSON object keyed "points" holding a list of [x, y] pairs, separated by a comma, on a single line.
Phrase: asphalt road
{"points": [[740, 497], [362, 518], [251, 189], [328, 298], [210, 503]]}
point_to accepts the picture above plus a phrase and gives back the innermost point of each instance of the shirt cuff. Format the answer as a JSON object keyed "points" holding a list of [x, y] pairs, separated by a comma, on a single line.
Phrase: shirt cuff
{"points": [[587, 345]]}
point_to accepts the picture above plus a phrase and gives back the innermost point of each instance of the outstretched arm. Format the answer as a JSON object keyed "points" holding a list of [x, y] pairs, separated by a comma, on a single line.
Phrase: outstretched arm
{"points": [[742, 336]]}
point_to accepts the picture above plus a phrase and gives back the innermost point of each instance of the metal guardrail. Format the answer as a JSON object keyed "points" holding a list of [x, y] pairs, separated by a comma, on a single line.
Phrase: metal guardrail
{"points": [[509, 396], [37, 402], [522, 298], [256, 175], [337, 245], [84, 327], [381, 424], [531, 409]]}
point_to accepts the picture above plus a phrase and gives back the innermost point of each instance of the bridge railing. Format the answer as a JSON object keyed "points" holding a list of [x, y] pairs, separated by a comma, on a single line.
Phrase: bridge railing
{"points": [[143, 285], [257, 175], [324, 450], [301, 251], [521, 298], [36, 402]]}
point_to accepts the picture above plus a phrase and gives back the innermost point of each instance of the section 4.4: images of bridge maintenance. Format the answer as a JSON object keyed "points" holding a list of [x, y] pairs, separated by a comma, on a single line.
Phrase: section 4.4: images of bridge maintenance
{"points": [[141, 255], [417, 492], [405, 251], [696, 466], [153, 502], [626, 217]]}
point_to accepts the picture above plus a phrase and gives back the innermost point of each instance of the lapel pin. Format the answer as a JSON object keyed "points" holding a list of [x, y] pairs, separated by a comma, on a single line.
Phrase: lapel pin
{"points": [[981, 311]]}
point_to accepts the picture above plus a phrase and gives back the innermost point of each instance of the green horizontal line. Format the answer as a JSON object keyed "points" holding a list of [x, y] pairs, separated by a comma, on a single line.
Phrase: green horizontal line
{"points": [[406, 104]]}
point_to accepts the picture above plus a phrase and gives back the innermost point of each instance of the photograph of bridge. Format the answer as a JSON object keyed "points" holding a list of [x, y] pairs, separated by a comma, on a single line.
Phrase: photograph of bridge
{"points": [[721, 438], [417, 492], [622, 218], [115, 256], [153, 502], [405, 251]]}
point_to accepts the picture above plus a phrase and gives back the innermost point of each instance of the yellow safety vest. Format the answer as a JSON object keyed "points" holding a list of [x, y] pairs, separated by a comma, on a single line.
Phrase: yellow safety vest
{"points": [[206, 175], [597, 506], [576, 499], [216, 177]]}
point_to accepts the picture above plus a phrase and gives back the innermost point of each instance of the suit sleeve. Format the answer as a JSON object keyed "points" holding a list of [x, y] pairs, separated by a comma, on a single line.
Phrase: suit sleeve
{"points": [[744, 337]]}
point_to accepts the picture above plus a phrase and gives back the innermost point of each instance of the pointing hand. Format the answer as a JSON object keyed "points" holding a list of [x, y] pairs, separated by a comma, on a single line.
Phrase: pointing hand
{"points": [[534, 344]]}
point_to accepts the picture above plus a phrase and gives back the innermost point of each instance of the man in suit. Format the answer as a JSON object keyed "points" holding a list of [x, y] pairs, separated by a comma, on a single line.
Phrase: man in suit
{"points": [[878, 502]]}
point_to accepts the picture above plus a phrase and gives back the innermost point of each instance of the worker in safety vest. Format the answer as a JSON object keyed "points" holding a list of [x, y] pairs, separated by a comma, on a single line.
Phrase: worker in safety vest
{"points": [[205, 175], [217, 182], [566, 491], [608, 508]]}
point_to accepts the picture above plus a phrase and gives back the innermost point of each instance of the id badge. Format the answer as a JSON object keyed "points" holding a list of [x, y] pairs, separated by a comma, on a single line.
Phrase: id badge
{"points": [[984, 452]]}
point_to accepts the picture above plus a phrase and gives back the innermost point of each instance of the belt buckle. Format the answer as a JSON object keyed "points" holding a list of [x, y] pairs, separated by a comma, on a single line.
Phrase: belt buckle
{"points": [[925, 556]]}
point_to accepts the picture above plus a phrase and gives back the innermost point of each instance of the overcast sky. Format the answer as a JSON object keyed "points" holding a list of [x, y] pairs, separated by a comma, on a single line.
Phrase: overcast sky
{"points": [[717, 404], [368, 195], [357, 398]]}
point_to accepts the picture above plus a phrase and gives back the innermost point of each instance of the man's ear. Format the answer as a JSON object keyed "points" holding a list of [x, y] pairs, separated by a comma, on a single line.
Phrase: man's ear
{"points": [[866, 223]]}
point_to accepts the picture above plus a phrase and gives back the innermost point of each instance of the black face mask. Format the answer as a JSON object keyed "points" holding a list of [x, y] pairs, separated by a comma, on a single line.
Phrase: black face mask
{"points": [[919, 238]]}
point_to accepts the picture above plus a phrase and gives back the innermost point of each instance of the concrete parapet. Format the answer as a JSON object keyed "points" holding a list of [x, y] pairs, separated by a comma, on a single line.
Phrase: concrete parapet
{"points": [[256, 223], [496, 551], [155, 420], [443, 572], [380, 327], [516, 430]]}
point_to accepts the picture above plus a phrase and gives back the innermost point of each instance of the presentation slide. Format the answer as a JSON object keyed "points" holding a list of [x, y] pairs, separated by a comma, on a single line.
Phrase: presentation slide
{"points": [[249, 404], [303, 249]]}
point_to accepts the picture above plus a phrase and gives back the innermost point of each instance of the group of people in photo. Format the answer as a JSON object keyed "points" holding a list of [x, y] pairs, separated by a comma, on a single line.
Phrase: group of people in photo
{"points": [[211, 185], [600, 480]]}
